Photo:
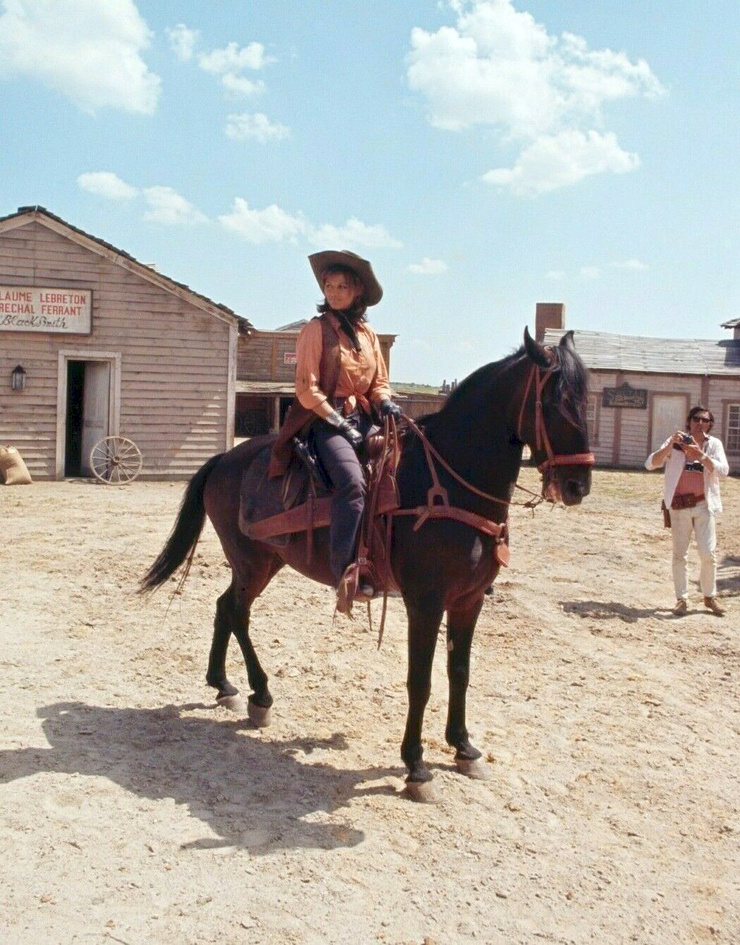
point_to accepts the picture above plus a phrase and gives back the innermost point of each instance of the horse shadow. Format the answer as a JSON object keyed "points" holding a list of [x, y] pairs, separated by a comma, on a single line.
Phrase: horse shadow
{"points": [[608, 610], [251, 792]]}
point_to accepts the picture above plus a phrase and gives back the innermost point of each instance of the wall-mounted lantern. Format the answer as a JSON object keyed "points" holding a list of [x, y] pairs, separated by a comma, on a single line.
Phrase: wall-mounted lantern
{"points": [[18, 378]]}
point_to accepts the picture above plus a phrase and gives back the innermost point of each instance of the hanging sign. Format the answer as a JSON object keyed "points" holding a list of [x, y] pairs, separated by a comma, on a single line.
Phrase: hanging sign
{"points": [[24, 308], [624, 396]]}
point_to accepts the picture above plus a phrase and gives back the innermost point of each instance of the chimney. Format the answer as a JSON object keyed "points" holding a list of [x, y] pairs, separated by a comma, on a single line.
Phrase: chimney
{"points": [[548, 315]]}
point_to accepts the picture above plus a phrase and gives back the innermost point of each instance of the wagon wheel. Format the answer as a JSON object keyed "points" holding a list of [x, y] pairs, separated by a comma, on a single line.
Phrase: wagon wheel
{"points": [[115, 460]]}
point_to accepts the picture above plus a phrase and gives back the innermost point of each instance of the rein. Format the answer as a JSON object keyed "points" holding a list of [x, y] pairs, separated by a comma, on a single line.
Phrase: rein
{"points": [[537, 378], [436, 490]]}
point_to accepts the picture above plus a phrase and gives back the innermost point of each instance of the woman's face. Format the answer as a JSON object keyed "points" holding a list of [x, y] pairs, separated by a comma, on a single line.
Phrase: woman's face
{"points": [[339, 291]]}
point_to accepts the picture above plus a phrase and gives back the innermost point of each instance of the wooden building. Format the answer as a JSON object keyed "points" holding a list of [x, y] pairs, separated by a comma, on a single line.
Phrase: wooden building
{"points": [[95, 343], [265, 384], [641, 389]]}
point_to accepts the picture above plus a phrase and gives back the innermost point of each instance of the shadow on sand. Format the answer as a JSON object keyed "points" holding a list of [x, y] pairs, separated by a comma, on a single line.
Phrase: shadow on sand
{"points": [[251, 791]]}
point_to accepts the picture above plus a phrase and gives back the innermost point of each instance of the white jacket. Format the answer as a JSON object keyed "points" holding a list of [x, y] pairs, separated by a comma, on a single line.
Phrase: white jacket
{"points": [[674, 464]]}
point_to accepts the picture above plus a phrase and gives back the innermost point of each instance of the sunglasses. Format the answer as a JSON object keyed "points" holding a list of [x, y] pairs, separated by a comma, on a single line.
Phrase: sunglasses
{"points": [[701, 419]]}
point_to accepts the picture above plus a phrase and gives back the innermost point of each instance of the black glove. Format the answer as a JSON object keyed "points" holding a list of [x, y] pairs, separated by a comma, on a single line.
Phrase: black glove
{"points": [[388, 408], [354, 436]]}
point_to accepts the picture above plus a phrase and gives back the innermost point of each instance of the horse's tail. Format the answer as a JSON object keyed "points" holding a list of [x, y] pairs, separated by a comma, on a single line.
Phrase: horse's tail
{"points": [[185, 532]]}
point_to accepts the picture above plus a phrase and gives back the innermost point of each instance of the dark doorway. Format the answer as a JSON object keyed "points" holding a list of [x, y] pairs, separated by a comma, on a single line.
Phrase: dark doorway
{"points": [[75, 401], [88, 412]]}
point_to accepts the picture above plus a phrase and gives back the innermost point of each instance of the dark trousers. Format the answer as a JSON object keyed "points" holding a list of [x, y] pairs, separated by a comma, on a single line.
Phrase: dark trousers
{"points": [[343, 467]]}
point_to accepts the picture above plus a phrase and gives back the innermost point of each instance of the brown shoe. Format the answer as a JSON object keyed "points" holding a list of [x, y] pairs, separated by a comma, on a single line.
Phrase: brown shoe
{"points": [[713, 604], [681, 608]]}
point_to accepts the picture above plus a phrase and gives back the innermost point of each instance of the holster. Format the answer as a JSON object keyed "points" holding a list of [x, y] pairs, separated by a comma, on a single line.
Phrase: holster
{"points": [[666, 515]]}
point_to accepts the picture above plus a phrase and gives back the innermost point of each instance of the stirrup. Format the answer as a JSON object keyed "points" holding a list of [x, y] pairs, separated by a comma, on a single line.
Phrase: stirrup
{"points": [[365, 591]]}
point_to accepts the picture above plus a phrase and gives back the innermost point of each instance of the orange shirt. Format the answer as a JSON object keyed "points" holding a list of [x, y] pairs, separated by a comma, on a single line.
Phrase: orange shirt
{"points": [[363, 376]]}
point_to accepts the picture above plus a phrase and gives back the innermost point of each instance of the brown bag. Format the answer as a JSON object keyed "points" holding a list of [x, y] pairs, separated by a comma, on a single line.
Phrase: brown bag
{"points": [[13, 470]]}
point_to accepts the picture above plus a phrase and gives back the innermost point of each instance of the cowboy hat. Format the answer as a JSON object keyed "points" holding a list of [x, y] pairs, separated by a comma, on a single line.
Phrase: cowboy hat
{"points": [[320, 262]]}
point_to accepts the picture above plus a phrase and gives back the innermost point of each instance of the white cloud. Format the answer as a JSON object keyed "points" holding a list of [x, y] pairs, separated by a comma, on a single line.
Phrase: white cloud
{"points": [[106, 184], [428, 267], [498, 67], [354, 233], [241, 85], [635, 265], [271, 225], [556, 275], [168, 207], [590, 272], [561, 160], [257, 127], [88, 51], [233, 59], [183, 41], [230, 62]]}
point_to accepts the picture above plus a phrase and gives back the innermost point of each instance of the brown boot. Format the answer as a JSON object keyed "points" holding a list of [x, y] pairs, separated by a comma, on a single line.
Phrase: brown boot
{"points": [[681, 608], [713, 604]]}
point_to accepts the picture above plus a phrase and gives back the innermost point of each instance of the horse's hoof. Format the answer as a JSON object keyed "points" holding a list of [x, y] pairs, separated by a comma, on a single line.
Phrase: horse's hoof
{"points": [[260, 716], [422, 792], [476, 769], [232, 703]]}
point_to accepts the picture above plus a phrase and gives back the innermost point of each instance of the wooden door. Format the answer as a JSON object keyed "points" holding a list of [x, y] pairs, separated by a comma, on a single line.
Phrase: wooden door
{"points": [[668, 415], [95, 409]]}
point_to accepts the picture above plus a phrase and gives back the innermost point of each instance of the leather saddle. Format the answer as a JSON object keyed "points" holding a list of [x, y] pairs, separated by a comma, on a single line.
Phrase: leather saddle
{"points": [[272, 510]]}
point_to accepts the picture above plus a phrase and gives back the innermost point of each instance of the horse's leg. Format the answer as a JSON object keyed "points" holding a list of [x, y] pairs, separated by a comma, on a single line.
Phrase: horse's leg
{"points": [[424, 621], [222, 630], [260, 699], [460, 627], [233, 611]]}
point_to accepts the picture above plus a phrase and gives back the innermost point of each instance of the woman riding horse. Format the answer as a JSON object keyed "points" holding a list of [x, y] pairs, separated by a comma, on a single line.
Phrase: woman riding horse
{"points": [[456, 478], [341, 380]]}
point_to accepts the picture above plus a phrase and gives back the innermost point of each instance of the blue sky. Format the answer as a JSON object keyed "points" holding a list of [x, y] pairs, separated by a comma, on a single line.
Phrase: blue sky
{"points": [[484, 155]]}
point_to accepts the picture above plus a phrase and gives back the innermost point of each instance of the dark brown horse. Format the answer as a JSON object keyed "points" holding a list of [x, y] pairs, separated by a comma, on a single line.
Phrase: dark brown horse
{"points": [[537, 397]]}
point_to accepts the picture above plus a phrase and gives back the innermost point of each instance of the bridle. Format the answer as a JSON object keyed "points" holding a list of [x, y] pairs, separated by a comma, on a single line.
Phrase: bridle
{"points": [[538, 378]]}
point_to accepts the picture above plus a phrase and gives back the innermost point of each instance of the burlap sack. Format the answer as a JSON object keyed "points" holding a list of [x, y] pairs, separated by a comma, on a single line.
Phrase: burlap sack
{"points": [[13, 471]]}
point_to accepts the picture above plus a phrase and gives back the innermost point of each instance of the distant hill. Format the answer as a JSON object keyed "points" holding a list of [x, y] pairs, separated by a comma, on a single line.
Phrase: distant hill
{"points": [[402, 388]]}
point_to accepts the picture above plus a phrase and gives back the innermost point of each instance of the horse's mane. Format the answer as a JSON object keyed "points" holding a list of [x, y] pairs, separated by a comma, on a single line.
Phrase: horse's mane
{"points": [[570, 391]]}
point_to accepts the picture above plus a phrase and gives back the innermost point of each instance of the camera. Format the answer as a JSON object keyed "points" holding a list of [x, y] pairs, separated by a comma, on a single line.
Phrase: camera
{"points": [[686, 439]]}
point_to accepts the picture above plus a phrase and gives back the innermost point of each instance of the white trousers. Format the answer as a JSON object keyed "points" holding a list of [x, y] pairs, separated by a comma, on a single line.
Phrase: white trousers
{"points": [[701, 522]]}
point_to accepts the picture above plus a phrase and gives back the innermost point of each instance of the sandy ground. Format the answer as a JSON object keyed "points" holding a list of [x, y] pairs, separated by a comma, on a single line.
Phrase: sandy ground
{"points": [[133, 810]]}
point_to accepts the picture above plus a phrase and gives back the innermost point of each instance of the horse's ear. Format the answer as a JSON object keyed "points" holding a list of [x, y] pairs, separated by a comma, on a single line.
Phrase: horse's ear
{"points": [[567, 341], [535, 351]]}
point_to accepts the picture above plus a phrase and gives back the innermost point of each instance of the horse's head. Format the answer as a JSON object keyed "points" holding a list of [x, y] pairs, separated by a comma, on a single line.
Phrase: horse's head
{"points": [[552, 418]]}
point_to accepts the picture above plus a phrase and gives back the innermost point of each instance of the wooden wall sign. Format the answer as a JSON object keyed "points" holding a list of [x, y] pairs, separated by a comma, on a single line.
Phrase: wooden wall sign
{"points": [[29, 308], [625, 396]]}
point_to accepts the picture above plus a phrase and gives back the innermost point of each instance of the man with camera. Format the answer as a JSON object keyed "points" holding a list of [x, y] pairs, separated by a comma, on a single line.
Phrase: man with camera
{"points": [[694, 464]]}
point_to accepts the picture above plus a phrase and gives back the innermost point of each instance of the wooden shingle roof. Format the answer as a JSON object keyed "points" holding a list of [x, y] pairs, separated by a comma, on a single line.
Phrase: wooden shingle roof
{"points": [[603, 351], [122, 258]]}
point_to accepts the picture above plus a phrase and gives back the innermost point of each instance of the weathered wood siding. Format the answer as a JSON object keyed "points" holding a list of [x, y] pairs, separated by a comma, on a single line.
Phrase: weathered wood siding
{"points": [[623, 435], [261, 355], [174, 359]]}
